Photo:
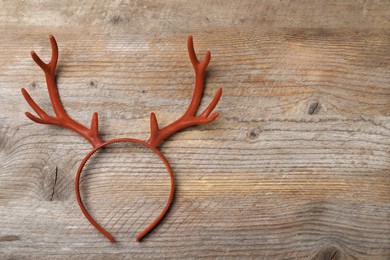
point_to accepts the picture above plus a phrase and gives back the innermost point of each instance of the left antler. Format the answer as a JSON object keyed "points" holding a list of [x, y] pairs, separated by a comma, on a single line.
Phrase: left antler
{"points": [[189, 118], [61, 118]]}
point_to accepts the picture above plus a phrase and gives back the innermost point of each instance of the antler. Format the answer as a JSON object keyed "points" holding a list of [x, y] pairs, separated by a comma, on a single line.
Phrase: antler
{"points": [[62, 118], [189, 118]]}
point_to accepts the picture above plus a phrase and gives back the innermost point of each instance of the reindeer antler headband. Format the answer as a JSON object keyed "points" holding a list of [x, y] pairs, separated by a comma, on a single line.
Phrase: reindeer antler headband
{"points": [[157, 134]]}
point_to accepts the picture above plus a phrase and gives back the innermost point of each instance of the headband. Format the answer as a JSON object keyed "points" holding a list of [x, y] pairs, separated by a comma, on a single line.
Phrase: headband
{"points": [[157, 134]]}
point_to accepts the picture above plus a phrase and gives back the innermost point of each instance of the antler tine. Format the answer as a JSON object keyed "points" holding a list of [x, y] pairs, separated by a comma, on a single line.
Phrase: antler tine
{"points": [[62, 118], [48, 67], [189, 118], [200, 70]]}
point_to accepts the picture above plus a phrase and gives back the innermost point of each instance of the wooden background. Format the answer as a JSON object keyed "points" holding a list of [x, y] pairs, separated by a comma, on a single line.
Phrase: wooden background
{"points": [[296, 166]]}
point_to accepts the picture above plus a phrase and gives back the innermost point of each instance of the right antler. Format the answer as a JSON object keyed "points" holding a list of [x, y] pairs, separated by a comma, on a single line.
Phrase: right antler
{"points": [[189, 118], [62, 118]]}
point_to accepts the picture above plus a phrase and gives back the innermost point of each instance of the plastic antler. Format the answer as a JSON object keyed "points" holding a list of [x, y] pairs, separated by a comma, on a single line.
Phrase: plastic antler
{"points": [[62, 118], [189, 118]]}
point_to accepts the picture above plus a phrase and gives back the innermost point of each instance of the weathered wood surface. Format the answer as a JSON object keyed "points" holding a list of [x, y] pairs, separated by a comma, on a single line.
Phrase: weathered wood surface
{"points": [[297, 165]]}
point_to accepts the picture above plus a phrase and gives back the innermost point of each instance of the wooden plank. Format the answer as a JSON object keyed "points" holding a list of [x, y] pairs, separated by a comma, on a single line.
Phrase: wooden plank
{"points": [[154, 17], [297, 165]]}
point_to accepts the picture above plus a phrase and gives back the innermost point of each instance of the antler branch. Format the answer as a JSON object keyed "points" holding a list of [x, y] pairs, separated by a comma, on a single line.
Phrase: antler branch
{"points": [[189, 118], [61, 118]]}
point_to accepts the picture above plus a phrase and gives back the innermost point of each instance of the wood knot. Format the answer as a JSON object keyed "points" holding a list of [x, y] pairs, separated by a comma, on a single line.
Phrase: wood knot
{"points": [[314, 108], [115, 19], [93, 83], [254, 133], [329, 253], [33, 84]]}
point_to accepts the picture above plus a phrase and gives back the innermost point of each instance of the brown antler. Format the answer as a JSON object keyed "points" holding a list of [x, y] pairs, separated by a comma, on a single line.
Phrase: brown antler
{"points": [[189, 118], [62, 118]]}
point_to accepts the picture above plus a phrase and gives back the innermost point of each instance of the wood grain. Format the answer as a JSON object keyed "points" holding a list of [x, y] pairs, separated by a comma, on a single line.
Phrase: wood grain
{"points": [[296, 167]]}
